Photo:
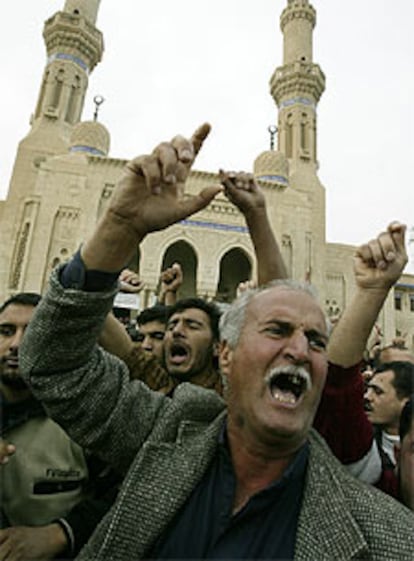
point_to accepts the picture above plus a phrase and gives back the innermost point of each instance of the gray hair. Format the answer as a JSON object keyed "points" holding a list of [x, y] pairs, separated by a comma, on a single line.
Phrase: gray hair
{"points": [[232, 320]]}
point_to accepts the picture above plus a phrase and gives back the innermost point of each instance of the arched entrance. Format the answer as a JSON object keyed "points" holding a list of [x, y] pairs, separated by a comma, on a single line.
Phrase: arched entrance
{"points": [[235, 267], [181, 252]]}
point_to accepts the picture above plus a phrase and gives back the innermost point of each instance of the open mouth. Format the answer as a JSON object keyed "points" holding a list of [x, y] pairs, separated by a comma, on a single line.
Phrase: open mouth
{"points": [[178, 353], [12, 362], [288, 385]]}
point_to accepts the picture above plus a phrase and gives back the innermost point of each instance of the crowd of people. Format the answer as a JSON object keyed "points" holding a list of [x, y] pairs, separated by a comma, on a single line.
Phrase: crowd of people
{"points": [[252, 432]]}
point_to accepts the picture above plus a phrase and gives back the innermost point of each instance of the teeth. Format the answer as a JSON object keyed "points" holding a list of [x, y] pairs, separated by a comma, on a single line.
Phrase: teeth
{"points": [[283, 397]]}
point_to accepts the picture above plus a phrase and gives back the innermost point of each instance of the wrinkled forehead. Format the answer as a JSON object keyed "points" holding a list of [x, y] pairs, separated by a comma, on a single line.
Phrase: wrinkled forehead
{"points": [[286, 303]]}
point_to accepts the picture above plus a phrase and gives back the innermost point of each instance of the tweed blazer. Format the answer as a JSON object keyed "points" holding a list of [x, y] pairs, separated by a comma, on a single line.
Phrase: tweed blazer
{"points": [[164, 446]]}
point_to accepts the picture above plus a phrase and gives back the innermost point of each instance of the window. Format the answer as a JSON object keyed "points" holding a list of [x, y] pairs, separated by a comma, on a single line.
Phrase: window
{"points": [[397, 300]]}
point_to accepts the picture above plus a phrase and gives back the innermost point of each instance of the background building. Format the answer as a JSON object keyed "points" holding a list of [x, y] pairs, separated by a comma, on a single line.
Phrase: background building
{"points": [[63, 178]]}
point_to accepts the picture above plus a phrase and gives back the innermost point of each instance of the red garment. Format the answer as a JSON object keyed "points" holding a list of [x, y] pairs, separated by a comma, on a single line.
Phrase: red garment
{"points": [[342, 421]]}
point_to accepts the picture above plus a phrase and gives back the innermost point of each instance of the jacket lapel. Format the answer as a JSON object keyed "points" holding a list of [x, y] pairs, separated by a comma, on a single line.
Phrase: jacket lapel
{"points": [[326, 530], [164, 475]]}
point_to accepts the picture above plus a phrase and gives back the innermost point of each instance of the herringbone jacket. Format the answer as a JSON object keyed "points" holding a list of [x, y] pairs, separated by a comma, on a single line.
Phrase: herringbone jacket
{"points": [[164, 446]]}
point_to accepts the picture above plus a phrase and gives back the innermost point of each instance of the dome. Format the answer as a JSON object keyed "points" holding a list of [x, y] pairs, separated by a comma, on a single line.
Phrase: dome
{"points": [[90, 137], [272, 166]]}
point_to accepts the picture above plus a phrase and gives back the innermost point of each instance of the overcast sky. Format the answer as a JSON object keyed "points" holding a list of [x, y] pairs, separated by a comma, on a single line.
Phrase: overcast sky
{"points": [[169, 65]]}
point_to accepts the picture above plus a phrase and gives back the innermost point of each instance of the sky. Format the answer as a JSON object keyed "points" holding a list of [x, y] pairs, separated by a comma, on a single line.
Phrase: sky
{"points": [[170, 65]]}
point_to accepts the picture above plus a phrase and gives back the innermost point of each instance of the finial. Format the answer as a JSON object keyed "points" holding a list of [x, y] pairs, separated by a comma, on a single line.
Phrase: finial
{"points": [[98, 100], [273, 130]]}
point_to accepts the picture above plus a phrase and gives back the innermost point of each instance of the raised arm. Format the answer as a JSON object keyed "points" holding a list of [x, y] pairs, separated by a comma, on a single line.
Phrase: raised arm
{"points": [[244, 192], [89, 392], [377, 267], [341, 417]]}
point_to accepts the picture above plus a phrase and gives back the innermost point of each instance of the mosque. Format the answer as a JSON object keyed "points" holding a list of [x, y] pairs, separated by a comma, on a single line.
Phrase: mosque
{"points": [[63, 178]]}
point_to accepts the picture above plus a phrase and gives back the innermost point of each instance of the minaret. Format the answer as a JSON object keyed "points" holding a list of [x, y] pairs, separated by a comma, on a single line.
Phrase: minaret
{"points": [[74, 47], [297, 85]]}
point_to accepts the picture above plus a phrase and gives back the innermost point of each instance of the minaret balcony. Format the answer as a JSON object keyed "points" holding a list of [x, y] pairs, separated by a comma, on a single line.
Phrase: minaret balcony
{"points": [[296, 79], [67, 33], [299, 9]]}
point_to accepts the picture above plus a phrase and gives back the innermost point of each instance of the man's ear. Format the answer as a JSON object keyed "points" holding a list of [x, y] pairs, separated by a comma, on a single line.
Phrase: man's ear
{"points": [[225, 356]]}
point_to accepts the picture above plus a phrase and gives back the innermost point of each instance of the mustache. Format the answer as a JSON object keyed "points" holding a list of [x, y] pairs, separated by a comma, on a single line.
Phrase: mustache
{"points": [[290, 370]]}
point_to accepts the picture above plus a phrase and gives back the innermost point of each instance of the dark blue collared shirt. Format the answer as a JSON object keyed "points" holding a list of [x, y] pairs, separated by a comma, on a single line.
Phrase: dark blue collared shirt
{"points": [[265, 528]]}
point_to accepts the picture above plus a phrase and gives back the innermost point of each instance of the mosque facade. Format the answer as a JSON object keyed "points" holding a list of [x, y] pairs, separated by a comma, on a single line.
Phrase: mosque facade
{"points": [[63, 178]]}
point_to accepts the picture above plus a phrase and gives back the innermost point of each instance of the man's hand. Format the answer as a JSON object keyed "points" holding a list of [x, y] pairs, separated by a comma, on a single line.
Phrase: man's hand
{"points": [[6, 450], [379, 263], [130, 282], [171, 280], [148, 197], [28, 543], [377, 266], [244, 286], [243, 191]]}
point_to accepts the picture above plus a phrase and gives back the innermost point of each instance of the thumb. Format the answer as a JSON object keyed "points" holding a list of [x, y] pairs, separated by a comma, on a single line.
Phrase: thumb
{"points": [[200, 201], [397, 231]]}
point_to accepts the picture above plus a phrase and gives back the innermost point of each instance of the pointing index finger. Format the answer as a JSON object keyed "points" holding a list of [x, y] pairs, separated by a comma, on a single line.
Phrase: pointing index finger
{"points": [[199, 136]]}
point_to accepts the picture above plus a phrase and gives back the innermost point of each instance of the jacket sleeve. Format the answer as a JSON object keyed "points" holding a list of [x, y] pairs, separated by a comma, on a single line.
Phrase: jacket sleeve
{"points": [[83, 388], [341, 418]]}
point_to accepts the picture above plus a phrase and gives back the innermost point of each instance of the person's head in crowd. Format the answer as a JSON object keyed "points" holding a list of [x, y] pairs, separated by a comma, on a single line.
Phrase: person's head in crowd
{"points": [[274, 362], [405, 454], [192, 338], [387, 392], [395, 352], [15, 315], [151, 325]]}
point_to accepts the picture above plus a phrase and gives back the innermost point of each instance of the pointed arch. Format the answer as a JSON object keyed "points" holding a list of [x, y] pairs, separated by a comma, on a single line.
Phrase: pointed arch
{"points": [[235, 267]]}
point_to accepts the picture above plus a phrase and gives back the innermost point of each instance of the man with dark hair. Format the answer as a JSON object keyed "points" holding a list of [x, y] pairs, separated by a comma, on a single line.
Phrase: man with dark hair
{"points": [[402, 378], [46, 480], [202, 481], [22, 298], [15, 314], [388, 391], [191, 343], [405, 454], [151, 323], [28, 510]]}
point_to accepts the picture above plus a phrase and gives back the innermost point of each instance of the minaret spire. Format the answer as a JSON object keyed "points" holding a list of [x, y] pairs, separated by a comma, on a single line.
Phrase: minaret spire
{"points": [[298, 85]]}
